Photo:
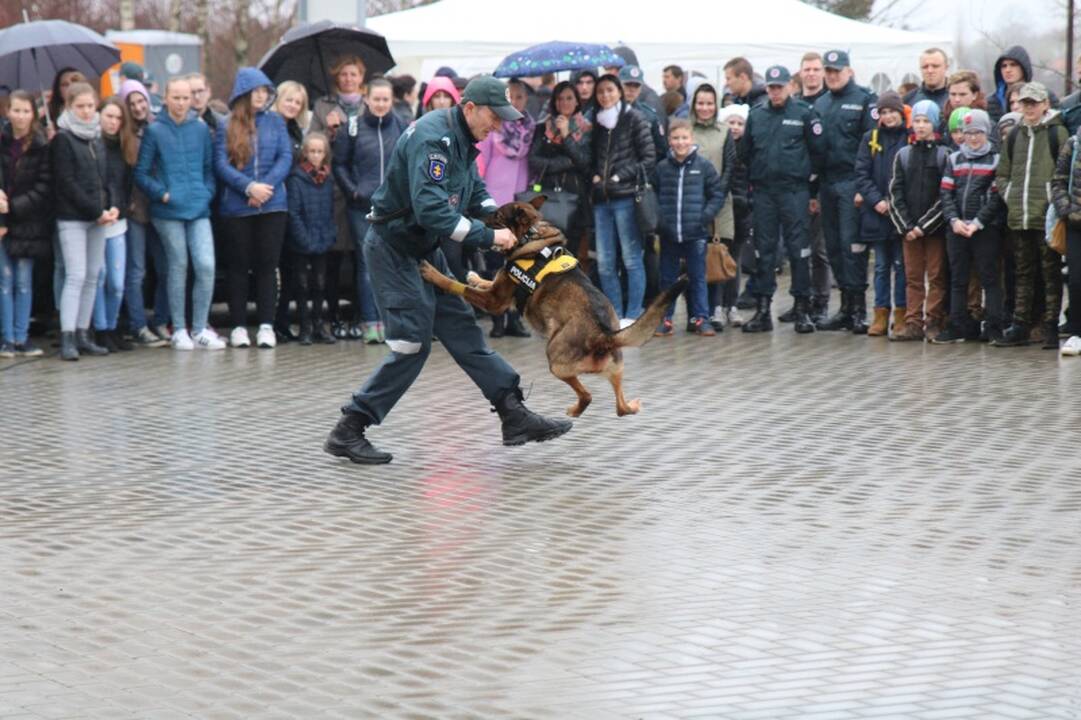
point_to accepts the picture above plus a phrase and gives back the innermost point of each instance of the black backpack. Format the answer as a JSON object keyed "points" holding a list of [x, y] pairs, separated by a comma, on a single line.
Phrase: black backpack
{"points": [[1052, 141]]}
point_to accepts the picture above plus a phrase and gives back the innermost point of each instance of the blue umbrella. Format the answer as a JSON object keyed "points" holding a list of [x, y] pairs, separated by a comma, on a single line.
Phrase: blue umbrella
{"points": [[31, 53], [556, 56]]}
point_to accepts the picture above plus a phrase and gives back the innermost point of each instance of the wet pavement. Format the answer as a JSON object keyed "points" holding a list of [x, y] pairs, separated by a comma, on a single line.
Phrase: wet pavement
{"points": [[795, 527]]}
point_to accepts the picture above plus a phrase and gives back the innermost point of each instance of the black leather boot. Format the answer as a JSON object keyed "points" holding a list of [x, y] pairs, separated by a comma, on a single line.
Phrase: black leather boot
{"points": [[86, 345], [820, 310], [1015, 335], [522, 425], [802, 322], [122, 343], [859, 312], [347, 440], [498, 325], [105, 339], [68, 350], [1050, 336], [842, 319], [762, 320], [305, 336], [515, 327], [788, 315]]}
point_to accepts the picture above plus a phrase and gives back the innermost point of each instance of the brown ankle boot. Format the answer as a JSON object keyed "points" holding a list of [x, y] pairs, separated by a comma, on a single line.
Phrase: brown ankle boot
{"points": [[880, 323], [898, 319]]}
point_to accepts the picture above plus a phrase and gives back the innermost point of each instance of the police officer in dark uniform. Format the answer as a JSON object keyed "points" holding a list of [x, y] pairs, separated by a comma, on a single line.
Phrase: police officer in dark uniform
{"points": [[847, 111], [781, 146], [432, 191], [631, 77]]}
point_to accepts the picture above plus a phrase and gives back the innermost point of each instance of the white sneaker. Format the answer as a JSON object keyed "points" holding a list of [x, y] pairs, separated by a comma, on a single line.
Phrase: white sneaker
{"points": [[207, 339], [182, 341], [732, 317], [162, 331], [266, 338], [719, 316], [626, 323], [239, 337], [1072, 346]]}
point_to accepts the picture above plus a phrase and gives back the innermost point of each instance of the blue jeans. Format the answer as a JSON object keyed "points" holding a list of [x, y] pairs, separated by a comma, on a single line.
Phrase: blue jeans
{"points": [[16, 296], [694, 252], [889, 256], [366, 311], [615, 222], [140, 240], [179, 237], [110, 284]]}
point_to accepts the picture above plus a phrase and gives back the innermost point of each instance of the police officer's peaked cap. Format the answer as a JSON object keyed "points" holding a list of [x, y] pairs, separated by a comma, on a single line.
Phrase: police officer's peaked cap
{"points": [[493, 92], [631, 74], [777, 75], [835, 60]]}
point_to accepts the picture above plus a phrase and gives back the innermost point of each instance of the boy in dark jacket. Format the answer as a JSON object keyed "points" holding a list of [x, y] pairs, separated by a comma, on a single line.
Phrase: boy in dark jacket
{"points": [[916, 212], [874, 166], [312, 232], [971, 206], [690, 195]]}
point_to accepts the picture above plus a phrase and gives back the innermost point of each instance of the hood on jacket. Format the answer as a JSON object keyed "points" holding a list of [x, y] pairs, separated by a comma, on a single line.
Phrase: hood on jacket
{"points": [[440, 82], [1019, 55], [247, 79], [707, 87], [129, 86]]}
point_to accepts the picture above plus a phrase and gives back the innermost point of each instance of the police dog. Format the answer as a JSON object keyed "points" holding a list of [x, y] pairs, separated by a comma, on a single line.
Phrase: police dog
{"points": [[580, 323]]}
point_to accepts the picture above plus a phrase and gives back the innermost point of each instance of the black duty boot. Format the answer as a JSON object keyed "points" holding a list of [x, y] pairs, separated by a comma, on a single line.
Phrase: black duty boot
{"points": [[1015, 335], [86, 345], [121, 342], [762, 320], [522, 425], [498, 325], [305, 336], [68, 350], [515, 327], [788, 315], [842, 319], [859, 312], [1050, 336], [820, 310], [802, 322], [347, 440]]}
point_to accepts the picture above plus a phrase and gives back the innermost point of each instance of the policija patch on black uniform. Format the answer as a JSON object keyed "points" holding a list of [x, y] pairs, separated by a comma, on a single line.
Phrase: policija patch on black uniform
{"points": [[437, 167]]}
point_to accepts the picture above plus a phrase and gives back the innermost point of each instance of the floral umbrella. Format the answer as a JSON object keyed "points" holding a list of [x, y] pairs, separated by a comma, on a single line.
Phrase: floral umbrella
{"points": [[555, 56]]}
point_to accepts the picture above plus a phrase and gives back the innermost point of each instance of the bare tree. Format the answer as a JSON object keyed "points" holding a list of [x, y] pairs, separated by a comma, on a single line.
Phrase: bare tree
{"points": [[382, 7], [176, 14]]}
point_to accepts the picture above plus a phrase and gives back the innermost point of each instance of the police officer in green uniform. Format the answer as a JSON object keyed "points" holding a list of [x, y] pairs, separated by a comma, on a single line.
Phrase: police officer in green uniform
{"points": [[782, 147], [847, 111], [432, 191]]}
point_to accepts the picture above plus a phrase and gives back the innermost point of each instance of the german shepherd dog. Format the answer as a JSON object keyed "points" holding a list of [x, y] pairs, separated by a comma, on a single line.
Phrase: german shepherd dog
{"points": [[580, 323]]}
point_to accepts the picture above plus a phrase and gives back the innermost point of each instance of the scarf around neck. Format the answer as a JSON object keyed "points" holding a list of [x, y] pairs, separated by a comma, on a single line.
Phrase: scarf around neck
{"points": [[608, 118], [84, 130], [517, 135], [317, 174], [578, 126], [971, 154]]}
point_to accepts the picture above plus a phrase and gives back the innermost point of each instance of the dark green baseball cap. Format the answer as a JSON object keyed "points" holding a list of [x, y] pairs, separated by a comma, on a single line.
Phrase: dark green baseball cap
{"points": [[631, 74], [777, 75], [493, 92], [836, 60]]}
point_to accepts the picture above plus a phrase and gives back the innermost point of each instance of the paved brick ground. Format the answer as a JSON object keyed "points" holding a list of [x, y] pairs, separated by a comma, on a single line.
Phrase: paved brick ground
{"points": [[822, 527]]}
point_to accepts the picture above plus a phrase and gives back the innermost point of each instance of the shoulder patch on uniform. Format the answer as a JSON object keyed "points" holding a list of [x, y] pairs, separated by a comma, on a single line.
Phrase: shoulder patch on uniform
{"points": [[874, 113], [816, 127], [437, 167]]}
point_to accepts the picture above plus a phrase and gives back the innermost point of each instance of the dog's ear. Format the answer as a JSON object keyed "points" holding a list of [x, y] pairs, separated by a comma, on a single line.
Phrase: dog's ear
{"points": [[537, 201]]}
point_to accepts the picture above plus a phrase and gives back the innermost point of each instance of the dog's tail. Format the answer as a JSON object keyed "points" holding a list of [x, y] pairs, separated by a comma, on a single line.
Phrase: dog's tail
{"points": [[643, 328]]}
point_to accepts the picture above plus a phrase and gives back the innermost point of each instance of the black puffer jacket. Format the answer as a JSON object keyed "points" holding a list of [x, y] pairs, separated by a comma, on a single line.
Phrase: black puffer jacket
{"points": [[623, 152], [118, 181], [969, 191], [1067, 204], [562, 165], [28, 184], [916, 187], [80, 177]]}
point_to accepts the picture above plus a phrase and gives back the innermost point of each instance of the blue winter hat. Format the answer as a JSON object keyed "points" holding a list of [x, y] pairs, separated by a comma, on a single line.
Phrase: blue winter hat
{"points": [[929, 109]]}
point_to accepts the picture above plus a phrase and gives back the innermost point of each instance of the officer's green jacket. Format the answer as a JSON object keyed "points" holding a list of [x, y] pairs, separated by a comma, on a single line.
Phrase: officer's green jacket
{"points": [[433, 174], [846, 115], [782, 147]]}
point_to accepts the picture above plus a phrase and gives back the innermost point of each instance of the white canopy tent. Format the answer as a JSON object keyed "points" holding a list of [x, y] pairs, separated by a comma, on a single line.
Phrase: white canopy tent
{"points": [[473, 36]]}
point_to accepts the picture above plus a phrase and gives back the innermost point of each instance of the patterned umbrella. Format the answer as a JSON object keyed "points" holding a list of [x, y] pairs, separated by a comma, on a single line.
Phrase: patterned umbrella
{"points": [[555, 56]]}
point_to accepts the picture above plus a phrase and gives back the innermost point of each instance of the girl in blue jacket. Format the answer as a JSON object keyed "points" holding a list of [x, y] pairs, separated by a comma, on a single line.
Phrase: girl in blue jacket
{"points": [[252, 157]]}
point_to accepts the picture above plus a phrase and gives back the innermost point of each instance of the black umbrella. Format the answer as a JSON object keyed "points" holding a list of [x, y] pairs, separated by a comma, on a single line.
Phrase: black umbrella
{"points": [[31, 53], [306, 53]]}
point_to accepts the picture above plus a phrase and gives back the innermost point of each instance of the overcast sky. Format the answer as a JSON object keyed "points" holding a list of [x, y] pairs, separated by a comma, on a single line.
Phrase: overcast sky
{"points": [[950, 15]]}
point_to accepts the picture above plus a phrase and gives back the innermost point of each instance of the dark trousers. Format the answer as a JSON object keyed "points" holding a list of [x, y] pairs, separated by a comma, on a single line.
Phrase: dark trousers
{"points": [[309, 282], [1073, 282], [255, 245], [841, 227], [981, 253], [780, 214], [413, 311]]}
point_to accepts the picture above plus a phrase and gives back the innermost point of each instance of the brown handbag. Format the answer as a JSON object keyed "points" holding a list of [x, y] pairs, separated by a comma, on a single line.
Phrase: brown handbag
{"points": [[1057, 240], [720, 266]]}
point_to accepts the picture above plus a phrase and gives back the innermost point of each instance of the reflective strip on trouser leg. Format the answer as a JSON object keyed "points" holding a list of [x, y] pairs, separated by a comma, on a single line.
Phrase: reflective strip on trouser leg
{"points": [[404, 347]]}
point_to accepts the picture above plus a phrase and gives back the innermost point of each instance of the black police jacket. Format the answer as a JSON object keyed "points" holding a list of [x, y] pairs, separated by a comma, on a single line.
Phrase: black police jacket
{"points": [[846, 115], [782, 147]]}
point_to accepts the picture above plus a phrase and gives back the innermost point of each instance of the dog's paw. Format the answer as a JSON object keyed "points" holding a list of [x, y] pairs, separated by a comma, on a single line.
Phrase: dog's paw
{"points": [[428, 271], [633, 407], [472, 279], [577, 409]]}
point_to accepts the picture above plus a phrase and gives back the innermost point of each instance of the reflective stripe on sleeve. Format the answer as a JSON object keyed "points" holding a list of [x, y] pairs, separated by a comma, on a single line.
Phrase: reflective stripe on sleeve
{"points": [[461, 229], [489, 203]]}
